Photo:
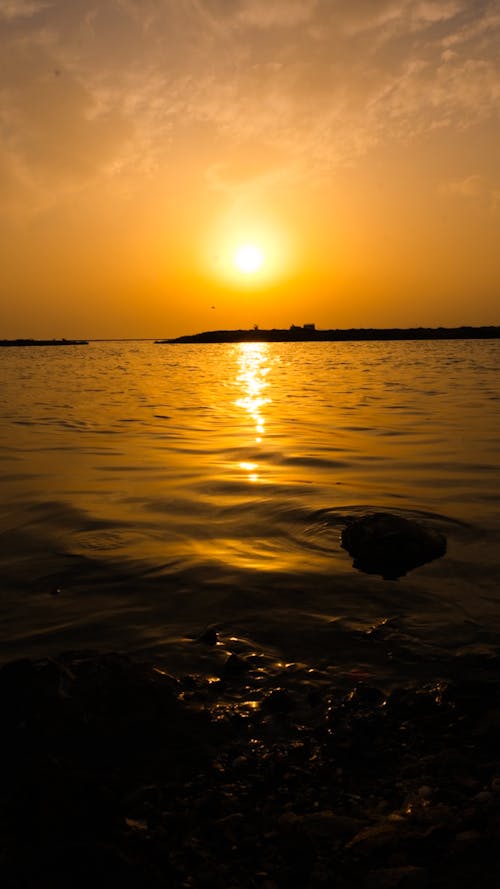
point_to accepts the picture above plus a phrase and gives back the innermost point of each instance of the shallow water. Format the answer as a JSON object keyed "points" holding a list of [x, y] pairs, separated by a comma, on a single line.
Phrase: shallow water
{"points": [[151, 490]]}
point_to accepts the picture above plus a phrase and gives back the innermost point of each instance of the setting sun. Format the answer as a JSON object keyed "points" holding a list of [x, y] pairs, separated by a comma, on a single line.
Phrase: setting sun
{"points": [[248, 251], [248, 259]]}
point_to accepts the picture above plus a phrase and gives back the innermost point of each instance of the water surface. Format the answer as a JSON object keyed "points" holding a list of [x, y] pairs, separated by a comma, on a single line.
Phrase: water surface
{"points": [[152, 490]]}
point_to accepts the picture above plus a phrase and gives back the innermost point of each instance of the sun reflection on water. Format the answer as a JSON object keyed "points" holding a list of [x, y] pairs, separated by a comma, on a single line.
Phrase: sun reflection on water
{"points": [[253, 369]]}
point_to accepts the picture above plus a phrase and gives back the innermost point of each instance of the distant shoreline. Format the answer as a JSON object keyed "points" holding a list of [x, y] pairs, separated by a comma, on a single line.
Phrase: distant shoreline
{"points": [[30, 342], [308, 335]]}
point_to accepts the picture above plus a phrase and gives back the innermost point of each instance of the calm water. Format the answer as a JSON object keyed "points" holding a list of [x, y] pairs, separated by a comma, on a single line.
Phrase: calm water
{"points": [[163, 489]]}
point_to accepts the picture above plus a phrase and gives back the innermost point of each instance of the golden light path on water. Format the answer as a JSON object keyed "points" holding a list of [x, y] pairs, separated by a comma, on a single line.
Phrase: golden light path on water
{"points": [[253, 370], [165, 488]]}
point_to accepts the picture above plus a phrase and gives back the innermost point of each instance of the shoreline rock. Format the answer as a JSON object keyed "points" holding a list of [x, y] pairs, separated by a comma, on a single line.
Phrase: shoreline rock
{"points": [[114, 769]]}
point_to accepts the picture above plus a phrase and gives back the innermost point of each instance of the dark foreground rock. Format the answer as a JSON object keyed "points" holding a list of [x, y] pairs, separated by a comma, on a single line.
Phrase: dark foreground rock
{"points": [[390, 545], [114, 772]]}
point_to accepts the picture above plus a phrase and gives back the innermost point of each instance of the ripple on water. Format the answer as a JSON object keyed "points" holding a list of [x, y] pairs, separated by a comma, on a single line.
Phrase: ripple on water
{"points": [[214, 488]]}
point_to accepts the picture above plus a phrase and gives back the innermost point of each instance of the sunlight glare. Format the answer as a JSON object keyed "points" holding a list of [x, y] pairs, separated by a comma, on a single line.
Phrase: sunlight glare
{"points": [[253, 370], [248, 258]]}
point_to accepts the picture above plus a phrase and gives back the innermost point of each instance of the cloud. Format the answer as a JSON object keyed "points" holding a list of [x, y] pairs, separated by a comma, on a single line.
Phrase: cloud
{"points": [[55, 138], [475, 188], [110, 89], [21, 9], [436, 11], [389, 18], [471, 187], [483, 24], [280, 13]]}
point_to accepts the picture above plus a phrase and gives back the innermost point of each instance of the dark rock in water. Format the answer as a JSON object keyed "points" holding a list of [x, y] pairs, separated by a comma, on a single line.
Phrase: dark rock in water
{"points": [[209, 636], [391, 546], [235, 667]]}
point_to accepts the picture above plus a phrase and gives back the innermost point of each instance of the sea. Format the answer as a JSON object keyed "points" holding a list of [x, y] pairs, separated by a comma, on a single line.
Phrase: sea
{"points": [[151, 492]]}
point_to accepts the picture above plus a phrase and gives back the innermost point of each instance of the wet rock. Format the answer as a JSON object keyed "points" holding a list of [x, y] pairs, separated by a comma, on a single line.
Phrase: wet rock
{"points": [[147, 783], [406, 877], [209, 637], [364, 697], [279, 700], [326, 823], [235, 667], [423, 705], [384, 836], [495, 784], [484, 796], [391, 546], [468, 836], [355, 722], [99, 711]]}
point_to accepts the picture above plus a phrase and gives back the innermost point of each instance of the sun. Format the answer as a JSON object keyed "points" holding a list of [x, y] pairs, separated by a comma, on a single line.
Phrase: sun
{"points": [[249, 254], [248, 259]]}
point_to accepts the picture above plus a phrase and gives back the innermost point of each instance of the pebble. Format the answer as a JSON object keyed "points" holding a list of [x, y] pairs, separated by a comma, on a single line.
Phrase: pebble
{"points": [[378, 837], [326, 823], [484, 796], [468, 836], [403, 877], [239, 761]]}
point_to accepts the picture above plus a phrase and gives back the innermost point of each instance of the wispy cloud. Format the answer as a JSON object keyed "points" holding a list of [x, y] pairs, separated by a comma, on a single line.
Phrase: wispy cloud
{"points": [[21, 9], [470, 187], [485, 23], [476, 190], [280, 13], [108, 89]]}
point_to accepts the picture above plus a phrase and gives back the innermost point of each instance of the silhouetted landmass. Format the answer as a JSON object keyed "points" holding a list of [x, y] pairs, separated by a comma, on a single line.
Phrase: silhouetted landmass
{"points": [[308, 334], [62, 342]]}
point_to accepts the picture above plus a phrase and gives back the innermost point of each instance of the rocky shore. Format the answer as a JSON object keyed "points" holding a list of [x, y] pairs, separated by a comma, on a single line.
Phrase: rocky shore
{"points": [[118, 773]]}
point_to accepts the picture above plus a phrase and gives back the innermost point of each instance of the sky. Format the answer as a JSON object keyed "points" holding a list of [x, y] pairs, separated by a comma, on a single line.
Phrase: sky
{"points": [[352, 147]]}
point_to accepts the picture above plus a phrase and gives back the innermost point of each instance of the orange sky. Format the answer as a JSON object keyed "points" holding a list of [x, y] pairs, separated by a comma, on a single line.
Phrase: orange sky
{"points": [[356, 144]]}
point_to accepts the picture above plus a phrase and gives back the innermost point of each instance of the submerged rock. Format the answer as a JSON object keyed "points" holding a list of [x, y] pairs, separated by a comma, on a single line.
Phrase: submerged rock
{"points": [[391, 546]]}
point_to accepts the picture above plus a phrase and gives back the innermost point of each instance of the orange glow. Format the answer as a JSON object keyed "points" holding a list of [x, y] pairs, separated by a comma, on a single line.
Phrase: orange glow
{"points": [[158, 199]]}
